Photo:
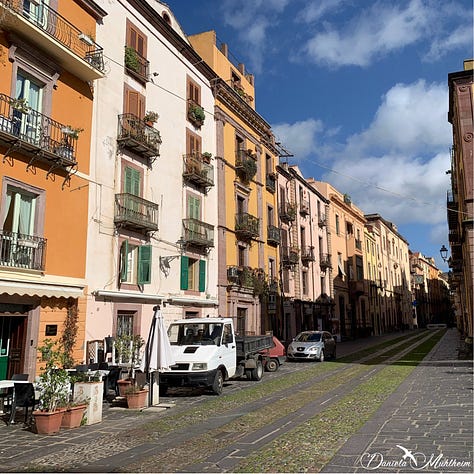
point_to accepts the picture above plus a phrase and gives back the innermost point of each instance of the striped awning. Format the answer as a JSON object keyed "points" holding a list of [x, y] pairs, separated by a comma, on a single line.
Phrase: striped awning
{"points": [[21, 288]]}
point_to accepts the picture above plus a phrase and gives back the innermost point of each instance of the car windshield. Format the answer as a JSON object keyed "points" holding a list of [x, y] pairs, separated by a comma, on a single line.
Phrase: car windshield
{"points": [[195, 334], [308, 337]]}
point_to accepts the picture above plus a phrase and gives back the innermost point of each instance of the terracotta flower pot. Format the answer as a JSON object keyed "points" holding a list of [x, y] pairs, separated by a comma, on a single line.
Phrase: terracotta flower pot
{"points": [[123, 386], [48, 422], [137, 400], [72, 417]]}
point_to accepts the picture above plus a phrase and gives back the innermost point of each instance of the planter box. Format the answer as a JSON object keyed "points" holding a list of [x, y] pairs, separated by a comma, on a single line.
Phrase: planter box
{"points": [[48, 422], [92, 393], [72, 417], [137, 400]]}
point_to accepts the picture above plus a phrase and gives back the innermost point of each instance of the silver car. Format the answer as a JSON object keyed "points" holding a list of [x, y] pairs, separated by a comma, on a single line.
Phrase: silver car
{"points": [[312, 345]]}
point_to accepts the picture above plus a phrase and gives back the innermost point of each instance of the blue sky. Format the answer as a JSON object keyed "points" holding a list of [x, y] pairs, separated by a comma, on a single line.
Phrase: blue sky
{"points": [[357, 91]]}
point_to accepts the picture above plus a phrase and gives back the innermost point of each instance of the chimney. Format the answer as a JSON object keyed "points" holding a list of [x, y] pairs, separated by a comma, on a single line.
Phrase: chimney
{"points": [[224, 49]]}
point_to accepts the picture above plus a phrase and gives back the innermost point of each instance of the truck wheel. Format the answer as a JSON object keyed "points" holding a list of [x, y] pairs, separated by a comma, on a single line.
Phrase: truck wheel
{"points": [[272, 365], [321, 356], [218, 383], [257, 373]]}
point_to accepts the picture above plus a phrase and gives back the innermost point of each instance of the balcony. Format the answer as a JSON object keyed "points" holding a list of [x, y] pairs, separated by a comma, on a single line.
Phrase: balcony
{"points": [[287, 212], [135, 135], [325, 262], [22, 251], [322, 221], [44, 27], [35, 134], [452, 208], [289, 256], [307, 255], [136, 65], [135, 213], [356, 287], [245, 165], [196, 114], [304, 207], [247, 227], [270, 182], [197, 172], [240, 276], [198, 233], [273, 235]]}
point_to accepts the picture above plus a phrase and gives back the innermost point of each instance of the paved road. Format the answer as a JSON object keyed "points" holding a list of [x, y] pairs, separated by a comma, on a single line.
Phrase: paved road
{"points": [[431, 412]]}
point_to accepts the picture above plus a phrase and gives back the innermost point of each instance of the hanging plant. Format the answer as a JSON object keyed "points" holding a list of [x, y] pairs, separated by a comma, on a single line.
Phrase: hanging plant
{"points": [[132, 60], [248, 169], [196, 114]]}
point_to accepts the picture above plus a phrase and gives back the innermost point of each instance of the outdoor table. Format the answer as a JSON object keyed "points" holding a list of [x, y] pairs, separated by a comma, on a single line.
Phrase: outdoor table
{"points": [[5, 384]]}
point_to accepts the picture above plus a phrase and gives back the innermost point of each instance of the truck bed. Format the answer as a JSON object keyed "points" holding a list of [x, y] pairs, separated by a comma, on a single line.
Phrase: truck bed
{"points": [[247, 345]]}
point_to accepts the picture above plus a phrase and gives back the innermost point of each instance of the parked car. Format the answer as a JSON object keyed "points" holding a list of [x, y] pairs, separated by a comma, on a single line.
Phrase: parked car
{"points": [[312, 345]]}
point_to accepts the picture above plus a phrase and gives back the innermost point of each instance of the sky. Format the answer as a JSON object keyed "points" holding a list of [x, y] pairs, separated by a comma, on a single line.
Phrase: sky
{"points": [[356, 91]]}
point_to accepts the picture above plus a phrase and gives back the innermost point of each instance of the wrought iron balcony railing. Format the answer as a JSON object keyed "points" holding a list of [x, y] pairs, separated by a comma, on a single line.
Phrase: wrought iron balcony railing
{"points": [[197, 171], [287, 212], [325, 261], [46, 22], [307, 254], [270, 182], [304, 207], [22, 251], [289, 256], [247, 226], [273, 235], [134, 212], [198, 233], [136, 135], [245, 164], [39, 134], [322, 221]]}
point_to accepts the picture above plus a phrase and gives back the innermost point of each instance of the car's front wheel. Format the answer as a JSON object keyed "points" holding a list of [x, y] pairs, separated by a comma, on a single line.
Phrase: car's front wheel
{"points": [[321, 356], [218, 384]]}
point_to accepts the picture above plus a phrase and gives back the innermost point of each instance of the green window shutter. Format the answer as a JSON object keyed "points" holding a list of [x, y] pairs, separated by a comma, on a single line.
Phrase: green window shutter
{"points": [[132, 181], [202, 275], [194, 208], [124, 260], [184, 272], [144, 264]]}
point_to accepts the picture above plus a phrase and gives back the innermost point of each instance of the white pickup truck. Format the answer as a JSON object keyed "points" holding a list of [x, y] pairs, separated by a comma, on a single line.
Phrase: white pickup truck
{"points": [[208, 352]]}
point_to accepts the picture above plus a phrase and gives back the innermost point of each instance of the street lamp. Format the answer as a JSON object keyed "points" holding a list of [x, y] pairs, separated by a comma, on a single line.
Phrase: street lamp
{"points": [[444, 253]]}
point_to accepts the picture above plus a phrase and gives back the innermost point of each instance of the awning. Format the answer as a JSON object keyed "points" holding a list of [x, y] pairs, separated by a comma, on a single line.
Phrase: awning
{"points": [[192, 301], [21, 288], [127, 295]]}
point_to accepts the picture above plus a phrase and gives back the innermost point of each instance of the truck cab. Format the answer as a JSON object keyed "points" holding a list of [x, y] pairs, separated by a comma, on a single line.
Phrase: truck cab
{"points": [[205, 353]]}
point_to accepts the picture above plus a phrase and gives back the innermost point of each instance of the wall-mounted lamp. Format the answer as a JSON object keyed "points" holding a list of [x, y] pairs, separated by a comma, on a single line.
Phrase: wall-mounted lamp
{"points": [[166, 260], [443, 251]]}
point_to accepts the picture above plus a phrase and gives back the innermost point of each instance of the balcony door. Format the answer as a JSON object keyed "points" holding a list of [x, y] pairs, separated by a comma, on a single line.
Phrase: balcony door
{"points": [[27, 124], [194, 213], [37, 12]]}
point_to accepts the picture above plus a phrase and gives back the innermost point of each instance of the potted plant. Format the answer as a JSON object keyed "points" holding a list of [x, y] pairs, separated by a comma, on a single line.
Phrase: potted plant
{"points": [[132, 60], [136, 396], [20, 104], [72, 417], [127, 352], [150, 117], [206, 157], [72, 132], [196, 114], [53, 387]]}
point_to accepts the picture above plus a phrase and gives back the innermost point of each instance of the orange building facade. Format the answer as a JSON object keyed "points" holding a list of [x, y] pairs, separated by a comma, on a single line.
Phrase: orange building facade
{"points": [[48, 64]]}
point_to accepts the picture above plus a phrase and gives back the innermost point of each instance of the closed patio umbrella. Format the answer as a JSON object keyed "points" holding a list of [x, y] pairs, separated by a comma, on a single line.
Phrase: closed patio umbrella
{"points": [[158, 355]]}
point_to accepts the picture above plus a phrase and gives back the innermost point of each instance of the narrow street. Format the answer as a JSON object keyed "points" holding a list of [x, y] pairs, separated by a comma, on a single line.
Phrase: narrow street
{"points": [[304, 417]]}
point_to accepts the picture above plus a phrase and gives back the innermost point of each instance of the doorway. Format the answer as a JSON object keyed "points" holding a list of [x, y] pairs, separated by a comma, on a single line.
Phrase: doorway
{"points": [[12, 344]]}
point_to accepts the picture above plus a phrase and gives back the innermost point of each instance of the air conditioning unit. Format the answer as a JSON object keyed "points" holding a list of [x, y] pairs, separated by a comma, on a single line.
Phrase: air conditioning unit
{"points": [[233, 273]]}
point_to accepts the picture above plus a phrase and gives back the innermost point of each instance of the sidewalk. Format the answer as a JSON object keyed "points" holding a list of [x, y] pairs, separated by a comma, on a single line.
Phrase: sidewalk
{"points": [[430, 414]]}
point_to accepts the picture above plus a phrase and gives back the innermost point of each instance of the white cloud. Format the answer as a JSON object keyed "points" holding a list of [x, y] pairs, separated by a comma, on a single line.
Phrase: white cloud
{"points": [[459, 38], [381, 29], [298, 138], [314, 11], [252, 21]]}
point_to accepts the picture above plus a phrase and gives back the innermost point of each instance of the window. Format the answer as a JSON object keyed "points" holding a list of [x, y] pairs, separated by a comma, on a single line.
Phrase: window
{"points": [[268, 164], [136, 39], [132, 181], [303, 238], [337, 224], [304, 281], [359, 268], [239, 143], [193, 274], [193, 143], [286, 280], [241, 256], [270, 215], [194, 92], [271, 268], [135, 263], [125, 323], [340, 265], [349, 229], [134, 102]]}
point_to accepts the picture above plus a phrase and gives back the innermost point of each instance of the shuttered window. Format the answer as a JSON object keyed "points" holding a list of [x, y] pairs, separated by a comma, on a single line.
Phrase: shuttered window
{"points": [[136, 39], [134, 103], [132, 181], [193, 143], [135, 263], [194, 92], [144, 264], [193, 274]]}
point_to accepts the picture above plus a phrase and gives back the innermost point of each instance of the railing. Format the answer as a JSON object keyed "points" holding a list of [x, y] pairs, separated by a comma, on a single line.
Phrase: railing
{"points": [[324, 261], [304, 207], [307, 254], [273, 235], [289, 256], [270, 182], [136, 64], [245, 164], [36, 129], [56, 26], [134, 133], [287, 212], [22, 251], [247, 226], [322, 220], [136, 212], [198, 233], [195, 170]]}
